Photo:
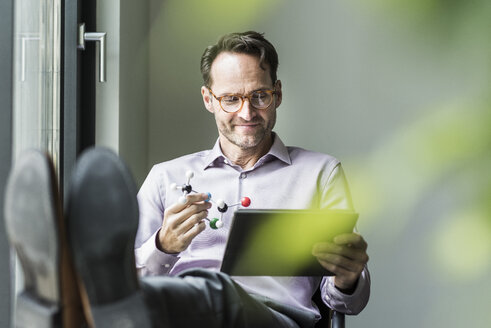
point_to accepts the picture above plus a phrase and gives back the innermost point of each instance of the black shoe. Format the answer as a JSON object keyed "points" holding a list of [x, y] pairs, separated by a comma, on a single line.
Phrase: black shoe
{"points": [[102, 216], [35, 229]]}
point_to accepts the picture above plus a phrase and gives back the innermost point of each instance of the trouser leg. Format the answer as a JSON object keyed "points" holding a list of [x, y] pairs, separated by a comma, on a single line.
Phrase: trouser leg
{"points": [[202, 298]]}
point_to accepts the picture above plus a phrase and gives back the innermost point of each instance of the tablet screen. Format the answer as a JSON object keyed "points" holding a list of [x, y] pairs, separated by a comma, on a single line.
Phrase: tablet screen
{"points": [[279, 242]]}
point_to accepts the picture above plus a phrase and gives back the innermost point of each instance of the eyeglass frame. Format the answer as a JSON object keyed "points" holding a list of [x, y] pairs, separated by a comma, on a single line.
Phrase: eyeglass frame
{"points": [[248, 96]]}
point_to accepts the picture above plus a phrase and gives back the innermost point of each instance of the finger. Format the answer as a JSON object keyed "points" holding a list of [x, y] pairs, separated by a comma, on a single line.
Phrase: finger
{"points": [[343, 278], [189, 223], [327, 247], [352, 240], [190, 199], [335, 269], [343, 262], [356, 254], [175, 219], [194, 231], [193, 209]]}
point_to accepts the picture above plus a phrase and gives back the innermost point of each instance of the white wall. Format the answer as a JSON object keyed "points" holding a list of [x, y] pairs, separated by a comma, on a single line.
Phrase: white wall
{"points": [[399, 99]]}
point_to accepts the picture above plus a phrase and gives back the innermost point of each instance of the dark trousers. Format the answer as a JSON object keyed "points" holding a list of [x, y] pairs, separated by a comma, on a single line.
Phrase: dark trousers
{"points": [[203, 298]]}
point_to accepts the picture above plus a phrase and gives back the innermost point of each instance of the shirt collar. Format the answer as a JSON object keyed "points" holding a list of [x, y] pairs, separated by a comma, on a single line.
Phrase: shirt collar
{"points": [[214, 157], [278, 150]]}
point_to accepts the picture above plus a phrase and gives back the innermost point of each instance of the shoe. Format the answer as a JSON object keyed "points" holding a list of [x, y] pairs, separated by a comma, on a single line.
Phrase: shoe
{"points": [[102, 220], [35, 229]]}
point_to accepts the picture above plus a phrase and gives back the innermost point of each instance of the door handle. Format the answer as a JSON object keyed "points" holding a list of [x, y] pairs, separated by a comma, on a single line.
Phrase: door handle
{"points": [[97, 37]]}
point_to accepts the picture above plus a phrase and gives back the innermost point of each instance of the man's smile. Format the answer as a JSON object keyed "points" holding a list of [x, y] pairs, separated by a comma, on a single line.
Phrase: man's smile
{"points": [[247, 127]]}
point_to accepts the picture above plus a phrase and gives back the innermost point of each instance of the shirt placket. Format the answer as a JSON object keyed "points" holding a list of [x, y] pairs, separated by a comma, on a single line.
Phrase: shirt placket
{"points": [[240, 189]]}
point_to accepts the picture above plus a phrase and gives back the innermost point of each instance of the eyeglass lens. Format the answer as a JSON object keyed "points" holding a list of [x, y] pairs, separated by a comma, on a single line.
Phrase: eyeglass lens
{"points": [[258, 99]]}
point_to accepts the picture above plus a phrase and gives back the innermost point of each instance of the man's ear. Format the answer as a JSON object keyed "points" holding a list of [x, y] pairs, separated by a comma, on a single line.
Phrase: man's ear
{"points": [[205, 93], [279, 93]]}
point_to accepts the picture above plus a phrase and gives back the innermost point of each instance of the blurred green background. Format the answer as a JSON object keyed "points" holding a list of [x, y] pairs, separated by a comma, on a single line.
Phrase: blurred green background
{"points": [[399, 91]]}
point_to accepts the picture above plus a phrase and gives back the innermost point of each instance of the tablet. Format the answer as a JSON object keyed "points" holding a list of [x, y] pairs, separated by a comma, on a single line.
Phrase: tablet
{"points": [[279, 242]]}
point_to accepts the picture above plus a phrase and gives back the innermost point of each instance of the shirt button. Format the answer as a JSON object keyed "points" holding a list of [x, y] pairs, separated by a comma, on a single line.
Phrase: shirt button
{"points": [[167, 265], [243, 175]]}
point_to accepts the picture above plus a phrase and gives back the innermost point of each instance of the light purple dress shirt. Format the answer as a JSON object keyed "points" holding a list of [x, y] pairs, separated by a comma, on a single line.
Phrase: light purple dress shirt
{"points": [[284, 178]]}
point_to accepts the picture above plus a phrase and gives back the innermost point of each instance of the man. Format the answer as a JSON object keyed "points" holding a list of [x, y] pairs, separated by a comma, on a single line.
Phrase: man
{"points": [[98, 269], [243, 93]]}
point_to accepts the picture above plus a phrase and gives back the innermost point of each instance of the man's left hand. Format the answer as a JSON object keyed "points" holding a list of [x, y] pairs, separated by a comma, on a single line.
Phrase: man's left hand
{"points": [[345, 257]]}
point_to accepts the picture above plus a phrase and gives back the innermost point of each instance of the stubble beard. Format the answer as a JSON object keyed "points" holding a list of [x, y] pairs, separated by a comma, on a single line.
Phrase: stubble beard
{"points": [[246, 142]]}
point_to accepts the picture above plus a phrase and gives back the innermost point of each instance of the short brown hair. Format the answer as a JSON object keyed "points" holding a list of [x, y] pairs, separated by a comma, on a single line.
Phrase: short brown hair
{"points": [[250, 42]]}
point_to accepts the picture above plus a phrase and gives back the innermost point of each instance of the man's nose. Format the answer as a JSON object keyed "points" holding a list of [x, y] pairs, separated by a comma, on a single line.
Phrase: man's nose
{"points": [[247, 112]]}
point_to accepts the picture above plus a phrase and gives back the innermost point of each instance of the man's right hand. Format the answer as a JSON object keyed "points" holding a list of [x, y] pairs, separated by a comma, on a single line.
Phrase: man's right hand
{"points": [[182, 222]]}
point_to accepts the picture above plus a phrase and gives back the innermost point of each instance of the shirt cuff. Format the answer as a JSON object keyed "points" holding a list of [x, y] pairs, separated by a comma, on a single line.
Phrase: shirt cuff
{"points": [[348, 303], [150, 261]]}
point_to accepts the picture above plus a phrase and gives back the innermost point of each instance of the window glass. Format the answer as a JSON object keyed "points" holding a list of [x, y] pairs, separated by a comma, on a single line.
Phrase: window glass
{"points": [[36, 83]]}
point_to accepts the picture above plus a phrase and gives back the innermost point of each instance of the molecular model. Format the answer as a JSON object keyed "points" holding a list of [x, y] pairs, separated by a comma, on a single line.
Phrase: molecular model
{"points": [[222, 207]]}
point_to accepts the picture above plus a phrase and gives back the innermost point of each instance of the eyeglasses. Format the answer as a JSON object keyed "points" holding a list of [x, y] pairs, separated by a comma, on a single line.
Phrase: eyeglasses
{"points": [[232, 103]]}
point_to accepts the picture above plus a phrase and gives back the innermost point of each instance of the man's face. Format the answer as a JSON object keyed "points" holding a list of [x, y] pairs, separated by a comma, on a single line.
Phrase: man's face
{"points": [[234, 73]]}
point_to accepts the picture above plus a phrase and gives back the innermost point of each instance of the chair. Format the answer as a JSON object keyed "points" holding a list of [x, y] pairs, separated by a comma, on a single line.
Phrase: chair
{"points": [[330, 318]]}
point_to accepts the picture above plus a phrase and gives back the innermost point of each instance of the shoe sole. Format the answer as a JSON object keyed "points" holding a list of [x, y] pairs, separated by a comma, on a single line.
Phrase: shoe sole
{"points": [[31, 212], [102, 222]]}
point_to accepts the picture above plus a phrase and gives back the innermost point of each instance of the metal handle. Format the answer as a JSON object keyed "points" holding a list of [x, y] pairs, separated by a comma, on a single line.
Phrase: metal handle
{"points": [[98, 37], [23, 46]]}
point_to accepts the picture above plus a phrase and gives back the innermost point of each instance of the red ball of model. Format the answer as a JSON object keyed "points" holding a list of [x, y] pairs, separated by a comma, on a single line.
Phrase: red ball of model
{"points": [[246, 201]]}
